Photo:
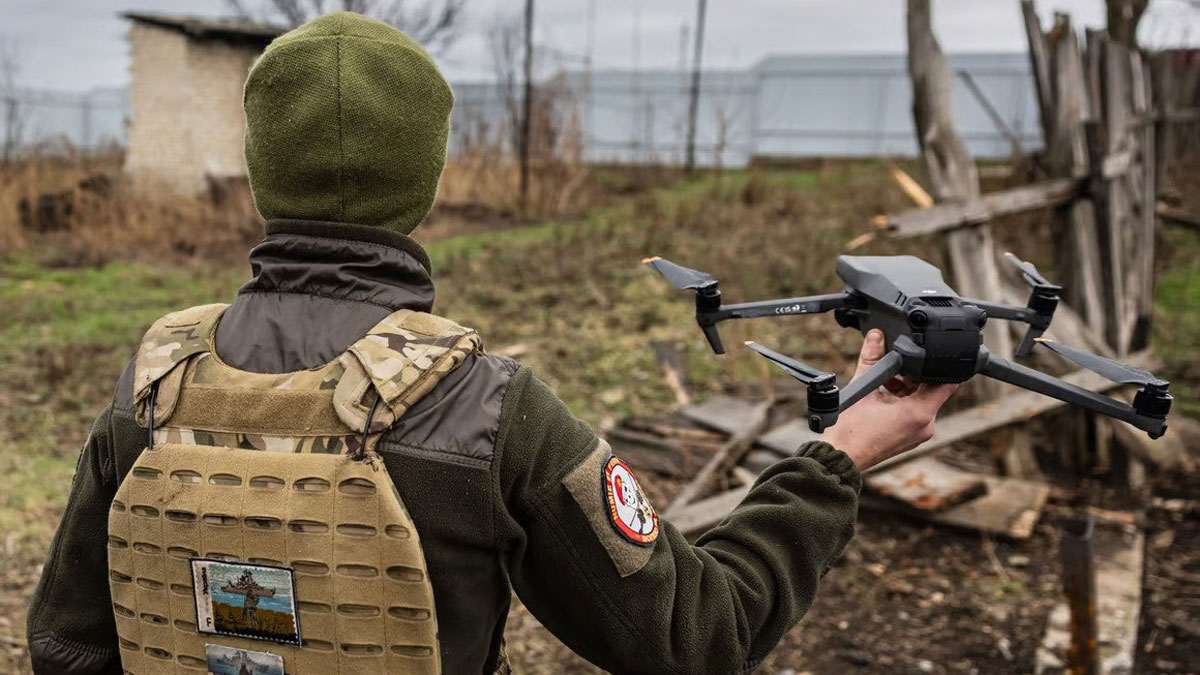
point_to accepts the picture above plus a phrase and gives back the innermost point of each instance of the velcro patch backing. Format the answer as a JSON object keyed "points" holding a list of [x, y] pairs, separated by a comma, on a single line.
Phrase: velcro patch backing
{"points": [[588, 484]]}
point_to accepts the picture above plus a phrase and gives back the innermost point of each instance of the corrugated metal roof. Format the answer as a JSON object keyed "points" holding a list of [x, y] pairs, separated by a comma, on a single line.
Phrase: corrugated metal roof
{"points": [[204, 28]]}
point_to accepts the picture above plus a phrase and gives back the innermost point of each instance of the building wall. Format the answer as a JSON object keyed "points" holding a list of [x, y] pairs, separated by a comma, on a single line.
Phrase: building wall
{"points": [[186, 109]]}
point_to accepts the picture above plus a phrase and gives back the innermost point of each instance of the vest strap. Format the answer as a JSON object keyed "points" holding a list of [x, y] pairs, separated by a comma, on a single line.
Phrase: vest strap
{"points": [[171, 340], [402, 358]]}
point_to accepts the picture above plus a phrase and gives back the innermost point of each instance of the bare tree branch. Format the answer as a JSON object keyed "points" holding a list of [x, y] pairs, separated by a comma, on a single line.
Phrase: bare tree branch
{"points": [[436, 24], [1123, 19], [11, 111]]}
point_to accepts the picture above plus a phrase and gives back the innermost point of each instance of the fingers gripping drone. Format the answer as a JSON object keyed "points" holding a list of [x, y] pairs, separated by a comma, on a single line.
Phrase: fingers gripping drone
{"points": [[932, 335]]}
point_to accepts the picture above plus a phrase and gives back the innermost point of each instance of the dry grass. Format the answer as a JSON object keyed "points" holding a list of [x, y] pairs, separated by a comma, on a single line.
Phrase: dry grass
{"points": [[74, 210]]}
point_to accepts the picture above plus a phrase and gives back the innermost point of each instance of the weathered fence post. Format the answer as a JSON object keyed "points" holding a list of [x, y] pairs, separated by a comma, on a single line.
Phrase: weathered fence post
{"points": [[1060, 83], [950, 168], [1079, 587]]}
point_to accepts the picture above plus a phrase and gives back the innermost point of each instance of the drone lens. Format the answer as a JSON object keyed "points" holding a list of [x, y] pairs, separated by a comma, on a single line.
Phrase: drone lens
{"points": [[918, 319]]}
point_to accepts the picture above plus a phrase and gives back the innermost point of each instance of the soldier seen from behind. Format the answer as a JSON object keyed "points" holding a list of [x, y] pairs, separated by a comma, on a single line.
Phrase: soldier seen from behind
{"points": [[280, 422]]}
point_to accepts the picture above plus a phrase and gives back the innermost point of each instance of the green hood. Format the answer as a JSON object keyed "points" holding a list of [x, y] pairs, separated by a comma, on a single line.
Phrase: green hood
{"points": [[346, 121]]}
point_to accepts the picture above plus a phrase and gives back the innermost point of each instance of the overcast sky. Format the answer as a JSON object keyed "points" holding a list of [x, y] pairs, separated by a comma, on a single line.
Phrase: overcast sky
{"points": [[75, 45]]}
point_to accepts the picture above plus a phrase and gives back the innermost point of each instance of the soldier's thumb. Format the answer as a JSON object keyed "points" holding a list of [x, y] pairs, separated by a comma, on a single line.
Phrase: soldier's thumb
{"points": [[873, 349]]}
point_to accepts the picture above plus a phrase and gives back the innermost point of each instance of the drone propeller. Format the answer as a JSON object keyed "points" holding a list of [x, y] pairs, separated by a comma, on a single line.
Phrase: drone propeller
{"points": [[1030, 273], [824, 397], [1112, 370], [684, 278], [803, 372], [708, 295]]}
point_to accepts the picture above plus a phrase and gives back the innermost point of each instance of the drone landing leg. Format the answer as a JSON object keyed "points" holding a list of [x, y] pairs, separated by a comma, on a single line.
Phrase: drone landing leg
{"points": [[1027, 378]]}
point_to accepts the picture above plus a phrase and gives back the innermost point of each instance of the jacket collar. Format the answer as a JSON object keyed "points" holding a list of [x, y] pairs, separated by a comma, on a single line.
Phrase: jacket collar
{"points": [[353, 263]]}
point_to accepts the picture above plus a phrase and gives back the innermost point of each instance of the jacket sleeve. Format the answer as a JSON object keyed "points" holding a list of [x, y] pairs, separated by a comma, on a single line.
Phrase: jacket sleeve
{"points": [[719, 606], [71, 628]]}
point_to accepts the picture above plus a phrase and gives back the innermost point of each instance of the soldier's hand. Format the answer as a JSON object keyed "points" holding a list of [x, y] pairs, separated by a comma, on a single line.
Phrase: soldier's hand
{"points": [[897, 417]]}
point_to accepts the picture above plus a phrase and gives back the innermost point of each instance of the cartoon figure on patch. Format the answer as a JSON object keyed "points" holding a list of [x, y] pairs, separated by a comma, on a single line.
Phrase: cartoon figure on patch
{"points": [[628, 509]]}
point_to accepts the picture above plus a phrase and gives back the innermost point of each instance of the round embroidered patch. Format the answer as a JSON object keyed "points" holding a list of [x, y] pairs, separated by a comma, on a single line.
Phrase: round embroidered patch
{"points": [[628, 509]]}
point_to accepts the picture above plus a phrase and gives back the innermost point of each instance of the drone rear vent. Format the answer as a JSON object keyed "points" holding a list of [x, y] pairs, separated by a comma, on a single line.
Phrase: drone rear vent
{"points": [[939, 302]]}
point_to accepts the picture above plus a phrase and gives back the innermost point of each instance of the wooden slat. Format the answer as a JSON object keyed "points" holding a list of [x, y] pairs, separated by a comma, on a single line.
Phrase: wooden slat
{"points": [[726, 414], [1039, 60], [1009, 508], [953, 215], [927, 484], [649, 452], [702, 514], [726, 457]]}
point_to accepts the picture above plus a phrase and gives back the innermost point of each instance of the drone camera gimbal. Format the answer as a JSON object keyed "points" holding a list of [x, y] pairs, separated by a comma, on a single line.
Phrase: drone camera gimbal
{"points": [[932, 334]]}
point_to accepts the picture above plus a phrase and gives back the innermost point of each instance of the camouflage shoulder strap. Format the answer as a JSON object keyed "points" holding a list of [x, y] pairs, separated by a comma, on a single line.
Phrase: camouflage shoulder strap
{"points": [[171, 341], [401, 358]]}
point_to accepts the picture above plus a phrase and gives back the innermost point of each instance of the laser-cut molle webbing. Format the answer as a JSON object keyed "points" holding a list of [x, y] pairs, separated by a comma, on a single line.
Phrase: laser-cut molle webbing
{"points": [[257, 468], [363, 594]]}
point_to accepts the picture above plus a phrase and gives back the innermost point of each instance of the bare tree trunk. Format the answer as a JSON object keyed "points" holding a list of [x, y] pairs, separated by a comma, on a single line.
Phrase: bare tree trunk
{"points": [[527, 113], [950, 168], [1123, 19], [694, 92]]}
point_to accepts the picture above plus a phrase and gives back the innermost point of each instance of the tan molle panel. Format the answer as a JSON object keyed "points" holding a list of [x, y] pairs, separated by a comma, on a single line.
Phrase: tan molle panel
{"points": [[363, 595]]}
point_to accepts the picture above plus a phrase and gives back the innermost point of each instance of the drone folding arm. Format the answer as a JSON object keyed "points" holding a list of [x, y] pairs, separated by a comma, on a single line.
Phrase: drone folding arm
{"points": [[710, 311], [825, 400], [1038, 312], [1150, 405]]}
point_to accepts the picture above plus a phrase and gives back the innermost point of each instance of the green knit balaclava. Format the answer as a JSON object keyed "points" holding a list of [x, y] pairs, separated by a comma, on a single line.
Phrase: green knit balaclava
{"points": [[346, 121]]}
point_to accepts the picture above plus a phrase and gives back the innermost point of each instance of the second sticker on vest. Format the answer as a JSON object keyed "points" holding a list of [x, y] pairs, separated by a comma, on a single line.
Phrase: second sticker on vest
{"points": [[223, 660], [628, 508], [244, 600]]}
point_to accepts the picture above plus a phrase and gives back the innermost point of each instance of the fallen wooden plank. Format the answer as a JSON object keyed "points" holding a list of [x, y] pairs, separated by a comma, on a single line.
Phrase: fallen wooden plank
{"points": [[927, 485], [702, 514], [952, 215], [1010, 508], [726, 414], [646, 451], [1118, 555], [1179, 217], [727, 456], [910, 187]]}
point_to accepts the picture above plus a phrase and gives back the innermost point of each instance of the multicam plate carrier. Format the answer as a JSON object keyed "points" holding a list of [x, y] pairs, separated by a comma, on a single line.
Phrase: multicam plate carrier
{"points": [[269, 484]]}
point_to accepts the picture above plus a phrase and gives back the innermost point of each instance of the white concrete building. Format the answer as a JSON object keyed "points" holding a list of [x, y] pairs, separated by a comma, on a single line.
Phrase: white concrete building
{"points": [[186, 121]]}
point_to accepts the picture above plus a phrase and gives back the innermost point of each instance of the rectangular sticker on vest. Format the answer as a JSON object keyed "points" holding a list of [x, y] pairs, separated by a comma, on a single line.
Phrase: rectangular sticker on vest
{"points": [[233, 661], [245, 600]]}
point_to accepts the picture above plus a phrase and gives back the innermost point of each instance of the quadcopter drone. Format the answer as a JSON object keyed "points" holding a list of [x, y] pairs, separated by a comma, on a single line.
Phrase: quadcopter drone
{"points": [[932, 335]]}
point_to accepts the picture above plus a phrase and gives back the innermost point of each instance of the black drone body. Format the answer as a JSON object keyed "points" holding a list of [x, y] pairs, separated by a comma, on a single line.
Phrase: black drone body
{"points": [[932, 334]]}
